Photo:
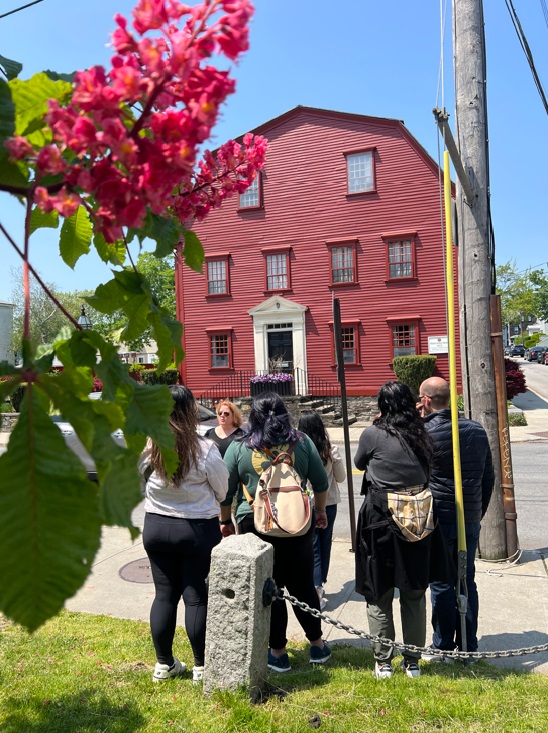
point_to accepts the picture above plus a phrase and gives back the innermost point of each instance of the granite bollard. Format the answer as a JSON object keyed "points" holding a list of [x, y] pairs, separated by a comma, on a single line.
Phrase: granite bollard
{"points": [[238, 623]]}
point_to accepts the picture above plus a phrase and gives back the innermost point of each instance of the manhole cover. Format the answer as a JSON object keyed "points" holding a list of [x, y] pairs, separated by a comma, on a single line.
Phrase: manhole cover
{"points": [[137, 571]]}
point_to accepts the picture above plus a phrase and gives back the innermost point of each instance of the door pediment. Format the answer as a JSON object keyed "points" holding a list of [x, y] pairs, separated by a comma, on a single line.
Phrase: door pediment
{"points": [[277, 304]]}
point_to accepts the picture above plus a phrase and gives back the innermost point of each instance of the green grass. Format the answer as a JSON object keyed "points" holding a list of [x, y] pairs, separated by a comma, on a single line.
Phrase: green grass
{"points": [[92, 674]]}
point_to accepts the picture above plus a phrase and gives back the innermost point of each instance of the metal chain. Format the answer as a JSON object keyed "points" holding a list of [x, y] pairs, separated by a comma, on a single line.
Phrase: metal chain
{"points": [[283, 595]]}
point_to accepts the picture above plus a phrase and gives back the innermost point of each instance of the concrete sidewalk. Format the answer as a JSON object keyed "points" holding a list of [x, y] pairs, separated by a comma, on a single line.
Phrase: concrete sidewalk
{"points": [[513, 598]]}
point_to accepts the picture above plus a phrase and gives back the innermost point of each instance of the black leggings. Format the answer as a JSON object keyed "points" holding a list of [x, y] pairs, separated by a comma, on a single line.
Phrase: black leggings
{"points": [[179, 551], [294, 570]]}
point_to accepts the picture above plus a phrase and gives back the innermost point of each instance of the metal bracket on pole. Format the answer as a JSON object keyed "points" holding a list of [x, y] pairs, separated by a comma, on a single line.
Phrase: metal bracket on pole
{"points": [[442, 121]]}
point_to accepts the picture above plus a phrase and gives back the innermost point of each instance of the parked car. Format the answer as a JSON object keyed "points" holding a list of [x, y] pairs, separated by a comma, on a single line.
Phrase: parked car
{"points": [[206, 419], [545, 360], [507, 350], [517, 350], [535, 352]]}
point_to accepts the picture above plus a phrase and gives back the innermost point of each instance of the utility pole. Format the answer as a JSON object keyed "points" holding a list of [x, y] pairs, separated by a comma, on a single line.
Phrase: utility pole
{"points": [[475, 262]]}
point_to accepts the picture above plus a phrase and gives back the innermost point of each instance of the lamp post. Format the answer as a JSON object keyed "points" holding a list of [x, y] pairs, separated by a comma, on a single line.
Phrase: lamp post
{"points": [[84, 321]]}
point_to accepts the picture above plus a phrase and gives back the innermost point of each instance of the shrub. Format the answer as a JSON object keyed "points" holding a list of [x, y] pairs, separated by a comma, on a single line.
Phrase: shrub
{"points": [[517, 419], [515, 379], [169, 376], [413, 370]]}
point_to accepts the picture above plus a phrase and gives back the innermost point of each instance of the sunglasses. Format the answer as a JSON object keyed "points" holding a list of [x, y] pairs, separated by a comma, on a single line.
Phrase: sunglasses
{"points": [[224, 414]]}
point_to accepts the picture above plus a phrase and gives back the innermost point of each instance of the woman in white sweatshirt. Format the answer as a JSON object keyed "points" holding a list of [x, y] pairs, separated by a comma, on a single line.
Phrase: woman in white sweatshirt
{"points": [[181, 529]]}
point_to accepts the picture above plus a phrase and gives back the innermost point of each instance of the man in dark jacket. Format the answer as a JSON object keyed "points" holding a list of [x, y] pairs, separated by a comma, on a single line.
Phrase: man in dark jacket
{"points": [[477, 486]]}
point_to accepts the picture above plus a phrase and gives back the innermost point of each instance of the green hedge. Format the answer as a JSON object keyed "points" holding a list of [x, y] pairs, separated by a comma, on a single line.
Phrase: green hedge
{"points": [[413, 370], [169, 376]]}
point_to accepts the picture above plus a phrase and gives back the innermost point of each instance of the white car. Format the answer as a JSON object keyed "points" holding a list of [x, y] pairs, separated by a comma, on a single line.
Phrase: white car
{"points": [[206, 419]]}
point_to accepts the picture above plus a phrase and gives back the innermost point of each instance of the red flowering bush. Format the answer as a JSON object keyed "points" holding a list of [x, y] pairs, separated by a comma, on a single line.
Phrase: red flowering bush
{"points": [[125, 142], [515, 379]]}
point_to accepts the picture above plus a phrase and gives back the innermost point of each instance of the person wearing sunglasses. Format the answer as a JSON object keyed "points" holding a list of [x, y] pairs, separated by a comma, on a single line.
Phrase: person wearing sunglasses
{"points": [[229, 427]]}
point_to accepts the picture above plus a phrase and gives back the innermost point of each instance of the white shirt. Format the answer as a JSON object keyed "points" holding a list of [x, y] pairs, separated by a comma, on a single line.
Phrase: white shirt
{"points": [[199, 493]]}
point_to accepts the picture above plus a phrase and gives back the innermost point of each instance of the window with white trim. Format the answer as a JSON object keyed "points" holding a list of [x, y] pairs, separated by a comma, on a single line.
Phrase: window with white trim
{"points": [[217, 277], [251, 197], [400, 259], [404, 339], [342, 265], [220, 350], [277, 271], [360, 172]]}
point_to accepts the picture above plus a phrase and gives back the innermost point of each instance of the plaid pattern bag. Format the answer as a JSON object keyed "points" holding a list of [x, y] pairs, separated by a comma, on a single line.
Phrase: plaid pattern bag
{"points": [[412, 511]]}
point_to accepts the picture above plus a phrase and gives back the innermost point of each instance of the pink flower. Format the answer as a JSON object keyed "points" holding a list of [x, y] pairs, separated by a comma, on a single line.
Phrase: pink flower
{"points": [[149, 15], [50, 160], [19, 147]]}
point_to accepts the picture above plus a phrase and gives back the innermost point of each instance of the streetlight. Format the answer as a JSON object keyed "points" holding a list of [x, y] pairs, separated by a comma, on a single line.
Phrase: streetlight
{"points": [[83, 320]]}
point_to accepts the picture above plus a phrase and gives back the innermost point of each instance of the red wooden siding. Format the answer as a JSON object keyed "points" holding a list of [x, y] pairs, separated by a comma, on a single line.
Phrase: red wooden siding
{"points": [[305, 207]]}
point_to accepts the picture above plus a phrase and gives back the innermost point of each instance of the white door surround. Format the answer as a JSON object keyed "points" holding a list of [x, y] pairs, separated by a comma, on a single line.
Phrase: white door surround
{"points": [[276, 312]]}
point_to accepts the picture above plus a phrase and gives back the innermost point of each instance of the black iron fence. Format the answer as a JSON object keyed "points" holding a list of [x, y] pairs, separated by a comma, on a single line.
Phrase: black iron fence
{"points": [[294, 382]]}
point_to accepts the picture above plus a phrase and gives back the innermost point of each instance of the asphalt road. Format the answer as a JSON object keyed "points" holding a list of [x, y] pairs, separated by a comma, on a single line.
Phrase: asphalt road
{"points": [[530, 464]]}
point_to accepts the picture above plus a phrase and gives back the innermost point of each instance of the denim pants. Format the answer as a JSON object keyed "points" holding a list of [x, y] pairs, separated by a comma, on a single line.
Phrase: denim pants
{"points": [[445, 617], [322, 546]]}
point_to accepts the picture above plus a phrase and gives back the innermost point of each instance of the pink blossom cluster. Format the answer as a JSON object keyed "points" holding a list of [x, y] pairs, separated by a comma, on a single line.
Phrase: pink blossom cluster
{"points": [[128, 140]]}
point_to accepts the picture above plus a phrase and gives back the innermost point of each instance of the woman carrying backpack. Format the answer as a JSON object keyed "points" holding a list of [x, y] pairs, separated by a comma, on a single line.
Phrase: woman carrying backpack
{"points": [[269, 431], [312, 425], [396, 454]]}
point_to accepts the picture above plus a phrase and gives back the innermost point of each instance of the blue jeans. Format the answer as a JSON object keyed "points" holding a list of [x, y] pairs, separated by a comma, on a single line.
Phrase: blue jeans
{"points": [[445, 616], [322, 546]]}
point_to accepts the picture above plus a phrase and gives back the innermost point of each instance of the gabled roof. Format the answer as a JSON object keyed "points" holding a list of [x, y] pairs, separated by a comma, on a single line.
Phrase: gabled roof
{"points": [[334, 115]]}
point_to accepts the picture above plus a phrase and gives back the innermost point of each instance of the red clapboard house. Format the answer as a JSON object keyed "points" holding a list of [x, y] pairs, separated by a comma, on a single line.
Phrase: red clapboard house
{"points": [[348, 207]]}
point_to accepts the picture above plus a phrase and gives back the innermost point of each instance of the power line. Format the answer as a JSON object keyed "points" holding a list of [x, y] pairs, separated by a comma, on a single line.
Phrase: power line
{"points": [[544, 10], [23, 7], [526, 50]]}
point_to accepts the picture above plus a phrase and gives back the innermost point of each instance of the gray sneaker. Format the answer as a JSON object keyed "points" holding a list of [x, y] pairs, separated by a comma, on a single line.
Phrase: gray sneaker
{"points": [[383, 671]]}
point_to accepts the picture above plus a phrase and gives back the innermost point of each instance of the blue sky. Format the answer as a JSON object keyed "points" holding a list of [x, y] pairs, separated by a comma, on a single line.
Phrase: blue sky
{"points": [[380, 59]]}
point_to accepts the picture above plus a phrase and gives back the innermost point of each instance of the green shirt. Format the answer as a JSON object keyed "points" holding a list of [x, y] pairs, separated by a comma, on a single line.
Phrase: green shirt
{"points": [[245, 465]]}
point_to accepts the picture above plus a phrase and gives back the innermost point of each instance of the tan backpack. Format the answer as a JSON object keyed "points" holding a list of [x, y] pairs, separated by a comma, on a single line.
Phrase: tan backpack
{"points": [[281, 508]]}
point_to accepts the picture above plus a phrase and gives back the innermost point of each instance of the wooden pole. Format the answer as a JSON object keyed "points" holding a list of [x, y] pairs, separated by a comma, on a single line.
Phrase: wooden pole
{"points": [[344, 406], [474, 257], [507, 472]]}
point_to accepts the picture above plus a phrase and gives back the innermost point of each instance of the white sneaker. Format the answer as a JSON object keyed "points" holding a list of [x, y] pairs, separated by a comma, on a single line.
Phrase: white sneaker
{"points": [[411, 669], [197, 674], [320, 591], [164, 672], [323, 603], [383, 671]]}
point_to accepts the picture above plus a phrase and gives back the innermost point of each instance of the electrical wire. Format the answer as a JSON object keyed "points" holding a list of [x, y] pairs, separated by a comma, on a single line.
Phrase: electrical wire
{"points": [[544, 10], [23, 7], [527, 51]]}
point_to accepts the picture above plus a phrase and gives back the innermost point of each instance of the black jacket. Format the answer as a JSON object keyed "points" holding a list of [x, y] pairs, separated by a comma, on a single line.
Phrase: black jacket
{"points": [[476, 466]]}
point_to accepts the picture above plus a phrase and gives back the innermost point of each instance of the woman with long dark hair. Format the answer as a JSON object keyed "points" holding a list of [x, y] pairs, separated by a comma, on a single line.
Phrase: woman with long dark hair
{"points": [[181, 529], [312, 425], [396, 454], [269, 430]]}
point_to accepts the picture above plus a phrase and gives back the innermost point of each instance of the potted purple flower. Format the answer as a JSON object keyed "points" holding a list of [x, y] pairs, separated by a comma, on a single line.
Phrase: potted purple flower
{"points": [[279, 382]]}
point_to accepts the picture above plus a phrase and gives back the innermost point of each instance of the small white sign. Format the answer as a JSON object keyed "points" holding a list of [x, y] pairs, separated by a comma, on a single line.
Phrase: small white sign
{"points": [[438, 345]]}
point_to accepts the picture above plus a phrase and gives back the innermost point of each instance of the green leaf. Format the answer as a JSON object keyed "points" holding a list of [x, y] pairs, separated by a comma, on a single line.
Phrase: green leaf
{"points": [[12, 172], [75, 237], [168, 334], [193, 252], [11, 68], [7, 112], [54, 76], [30, 98], [41, 220], [50, 522], [166, 232], [8, 386], [114, 254], [130, 293]]}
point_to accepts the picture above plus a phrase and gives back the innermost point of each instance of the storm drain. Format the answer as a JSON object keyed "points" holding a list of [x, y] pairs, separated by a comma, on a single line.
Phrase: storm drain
{"points": [[137, 571]]}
